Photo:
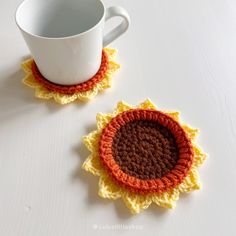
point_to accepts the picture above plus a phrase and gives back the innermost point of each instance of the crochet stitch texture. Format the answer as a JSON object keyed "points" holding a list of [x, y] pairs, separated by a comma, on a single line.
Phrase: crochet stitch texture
{"points": [[138, 193], [45, 89]]}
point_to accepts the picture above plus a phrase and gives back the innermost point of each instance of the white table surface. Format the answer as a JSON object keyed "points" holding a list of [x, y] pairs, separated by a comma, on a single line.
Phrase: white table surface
{"points": [[181, 54]]}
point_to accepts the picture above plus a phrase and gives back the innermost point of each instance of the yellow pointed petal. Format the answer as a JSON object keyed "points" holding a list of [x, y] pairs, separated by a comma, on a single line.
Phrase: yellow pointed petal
{"points": [[26, 65], [107, 188], [103, 120], [135, 202], [91, 141], [41, 92], [192, 133], [88, 95], [92, 164], [105, 83], [64, 98], [174, 114], [191, 182], [147, 104], [30, 81], [166, 199], [111, 53], [199, 156], [121, 107], [112, 68]]}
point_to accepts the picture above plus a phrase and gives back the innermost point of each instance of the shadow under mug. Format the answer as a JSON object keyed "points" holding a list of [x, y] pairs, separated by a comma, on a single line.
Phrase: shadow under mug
{"points": [[66, 38]]}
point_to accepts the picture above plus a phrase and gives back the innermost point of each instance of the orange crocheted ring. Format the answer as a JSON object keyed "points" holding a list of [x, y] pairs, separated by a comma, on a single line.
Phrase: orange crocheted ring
{"points": [[82, 87], [146, 151]]}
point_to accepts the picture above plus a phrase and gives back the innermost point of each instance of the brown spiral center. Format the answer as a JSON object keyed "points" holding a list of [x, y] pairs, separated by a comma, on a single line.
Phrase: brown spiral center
{"points": [[145, 149]]}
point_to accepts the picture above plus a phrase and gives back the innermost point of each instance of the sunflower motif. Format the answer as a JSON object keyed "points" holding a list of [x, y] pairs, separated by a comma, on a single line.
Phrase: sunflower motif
{"points": [[143, 155], [67, 94]]}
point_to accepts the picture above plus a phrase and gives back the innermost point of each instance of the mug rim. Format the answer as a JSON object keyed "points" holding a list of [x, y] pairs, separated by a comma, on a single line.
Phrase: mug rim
{"points": [[56, 38]]}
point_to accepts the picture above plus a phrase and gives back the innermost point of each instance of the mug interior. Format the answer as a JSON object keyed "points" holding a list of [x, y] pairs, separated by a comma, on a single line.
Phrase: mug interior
{"points": [[59, 18]]}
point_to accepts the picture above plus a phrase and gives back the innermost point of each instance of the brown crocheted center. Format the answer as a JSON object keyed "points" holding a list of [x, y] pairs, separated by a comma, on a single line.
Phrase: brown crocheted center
{"points": [[145, 149], [173, 177]]}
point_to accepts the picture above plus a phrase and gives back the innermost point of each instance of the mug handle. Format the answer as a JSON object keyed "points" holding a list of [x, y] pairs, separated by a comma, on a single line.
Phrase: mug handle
{"points": [[121, 28]]}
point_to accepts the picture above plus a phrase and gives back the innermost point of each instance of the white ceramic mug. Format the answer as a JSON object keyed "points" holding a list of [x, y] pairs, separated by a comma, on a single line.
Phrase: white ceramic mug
{"points": [[65, 37]]}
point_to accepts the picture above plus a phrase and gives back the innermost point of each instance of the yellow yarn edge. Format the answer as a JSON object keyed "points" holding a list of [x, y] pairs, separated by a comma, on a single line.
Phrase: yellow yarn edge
{"points": [[44, 93], [136, 202]]}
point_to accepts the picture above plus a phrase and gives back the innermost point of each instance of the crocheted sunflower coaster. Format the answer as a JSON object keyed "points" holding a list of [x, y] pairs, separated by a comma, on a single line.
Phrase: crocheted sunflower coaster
{"points": [[143, 155], [66, 94]]}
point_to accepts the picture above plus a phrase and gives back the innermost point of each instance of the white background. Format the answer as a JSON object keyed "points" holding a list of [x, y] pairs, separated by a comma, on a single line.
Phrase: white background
{"points": [[181, 54]]}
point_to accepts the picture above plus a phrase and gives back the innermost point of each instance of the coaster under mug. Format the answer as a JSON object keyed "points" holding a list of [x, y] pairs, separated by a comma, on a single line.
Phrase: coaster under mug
{"points": [[64, 94]]}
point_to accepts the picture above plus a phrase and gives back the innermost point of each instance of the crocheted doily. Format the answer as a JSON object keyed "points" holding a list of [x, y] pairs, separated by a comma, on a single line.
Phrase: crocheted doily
{"points": [[85, 91], [143, 155]]}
